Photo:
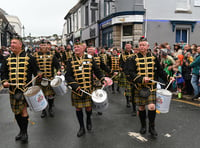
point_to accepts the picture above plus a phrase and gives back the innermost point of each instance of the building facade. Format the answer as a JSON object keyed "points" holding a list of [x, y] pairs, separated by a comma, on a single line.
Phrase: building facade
{"points": [[6, 30], [112, 23]]}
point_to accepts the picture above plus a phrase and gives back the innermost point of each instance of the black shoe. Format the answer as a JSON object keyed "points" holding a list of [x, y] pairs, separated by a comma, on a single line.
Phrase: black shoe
{"points": [[133, 113], [81, 132], [19, 136], [143, 130], [100, 113], [51, 113], [44, 114], [153, 132], [24, 137]]}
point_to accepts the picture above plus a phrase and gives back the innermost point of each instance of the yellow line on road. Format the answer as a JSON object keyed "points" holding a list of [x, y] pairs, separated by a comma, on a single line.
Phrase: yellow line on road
{"points": [[187, 102]]}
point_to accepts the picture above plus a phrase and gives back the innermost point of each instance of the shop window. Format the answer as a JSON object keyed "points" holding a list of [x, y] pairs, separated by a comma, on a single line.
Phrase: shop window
{"points": [[182, 35], [128, 30]]}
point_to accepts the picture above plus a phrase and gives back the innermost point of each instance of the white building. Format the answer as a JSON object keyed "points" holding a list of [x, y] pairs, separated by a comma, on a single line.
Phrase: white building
{"points": [[15, 23]]}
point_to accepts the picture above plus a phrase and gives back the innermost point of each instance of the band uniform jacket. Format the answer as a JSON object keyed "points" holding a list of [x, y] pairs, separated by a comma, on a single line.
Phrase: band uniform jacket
{"points": [[139, 66], [47, 63], [79, 74], [18, 70]]}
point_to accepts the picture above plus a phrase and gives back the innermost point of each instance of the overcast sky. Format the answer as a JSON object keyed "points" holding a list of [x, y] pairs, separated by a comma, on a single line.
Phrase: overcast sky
{"points": [[39, 17]]}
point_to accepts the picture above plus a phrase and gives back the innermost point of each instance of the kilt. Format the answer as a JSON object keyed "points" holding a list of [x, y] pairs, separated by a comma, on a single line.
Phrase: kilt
{"points": [[144, 101], [78, 102], [128, 90], [17, 106], [123, 82]]}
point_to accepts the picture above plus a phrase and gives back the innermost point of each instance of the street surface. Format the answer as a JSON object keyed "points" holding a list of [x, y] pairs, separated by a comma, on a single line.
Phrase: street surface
{"points": [[116, 128]]}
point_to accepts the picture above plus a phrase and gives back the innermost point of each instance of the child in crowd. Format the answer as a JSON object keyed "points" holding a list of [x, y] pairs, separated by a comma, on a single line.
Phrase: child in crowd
{"points": [[179, 81]]}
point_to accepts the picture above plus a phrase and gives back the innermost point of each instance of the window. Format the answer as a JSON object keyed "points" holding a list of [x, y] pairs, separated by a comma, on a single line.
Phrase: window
{"points": [[86, 16], [93, 18], [182, 35], [128, 30], [183, 6], [106, 8]]}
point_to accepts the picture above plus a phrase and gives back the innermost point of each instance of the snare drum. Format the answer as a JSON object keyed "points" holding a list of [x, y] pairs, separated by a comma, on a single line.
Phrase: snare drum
{"points": [[100, 100], [35, 98], [58, 86]]}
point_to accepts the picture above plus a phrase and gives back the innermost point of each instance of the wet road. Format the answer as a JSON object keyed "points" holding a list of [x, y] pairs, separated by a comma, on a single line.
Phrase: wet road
{"points": [[180, 128]]}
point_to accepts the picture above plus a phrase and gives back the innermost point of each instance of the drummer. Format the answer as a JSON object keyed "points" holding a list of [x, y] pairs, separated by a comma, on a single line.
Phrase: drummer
{"points": [[140, 69], [79, 75], [123, 81], [17, 72], [47, 62], [101, 65]]}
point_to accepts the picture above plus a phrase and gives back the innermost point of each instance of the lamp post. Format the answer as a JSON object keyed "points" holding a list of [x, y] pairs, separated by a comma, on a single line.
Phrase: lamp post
{"points": [[1, 21]]}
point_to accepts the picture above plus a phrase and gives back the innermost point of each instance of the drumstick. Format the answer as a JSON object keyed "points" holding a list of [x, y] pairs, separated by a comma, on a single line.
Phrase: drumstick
{"points": [[157, 82], [86, 92], [31, 81], [169, 84]]}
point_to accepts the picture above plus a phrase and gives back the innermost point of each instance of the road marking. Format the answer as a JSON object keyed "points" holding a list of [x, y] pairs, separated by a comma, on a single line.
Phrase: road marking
{"points": [[187, 102], [137, 136]]}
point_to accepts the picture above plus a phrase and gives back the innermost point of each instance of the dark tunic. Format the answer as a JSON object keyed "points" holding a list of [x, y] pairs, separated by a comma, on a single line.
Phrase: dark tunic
{"points": [[79, 74], [18, 70], [47, 63], [139, 66]]}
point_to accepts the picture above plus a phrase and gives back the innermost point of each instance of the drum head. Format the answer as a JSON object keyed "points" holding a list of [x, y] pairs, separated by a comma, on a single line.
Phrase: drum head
{"points": [[56, 82], [44, 82], [99, 96]]}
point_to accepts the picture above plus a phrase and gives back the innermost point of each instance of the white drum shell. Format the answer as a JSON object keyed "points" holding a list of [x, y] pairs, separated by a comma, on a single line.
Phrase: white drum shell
{"points": [[100, 100], [37, 102], [58, 86], [163, 100]]}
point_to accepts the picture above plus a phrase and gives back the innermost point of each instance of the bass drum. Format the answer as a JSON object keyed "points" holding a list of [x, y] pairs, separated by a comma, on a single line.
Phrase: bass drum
{"points": [[100, 100]]}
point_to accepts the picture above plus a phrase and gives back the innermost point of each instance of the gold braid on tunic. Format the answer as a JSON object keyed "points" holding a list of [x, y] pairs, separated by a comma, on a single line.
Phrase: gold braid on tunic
{"points": [[18, 71], [145, 68]]}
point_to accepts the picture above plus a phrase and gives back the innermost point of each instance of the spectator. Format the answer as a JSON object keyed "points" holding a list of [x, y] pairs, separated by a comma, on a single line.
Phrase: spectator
{"points": [[195, 74]]}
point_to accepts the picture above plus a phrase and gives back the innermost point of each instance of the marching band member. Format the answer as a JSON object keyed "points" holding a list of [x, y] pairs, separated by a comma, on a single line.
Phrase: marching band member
{"points": [[123, 81], [17, 72], [140, 69], [47, 62], [79, 73], [114, 66]]}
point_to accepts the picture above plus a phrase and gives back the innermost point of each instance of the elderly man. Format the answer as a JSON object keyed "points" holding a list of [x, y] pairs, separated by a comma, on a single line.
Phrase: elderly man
{"points": [[79, 75], [18, 69], [140, 70]]}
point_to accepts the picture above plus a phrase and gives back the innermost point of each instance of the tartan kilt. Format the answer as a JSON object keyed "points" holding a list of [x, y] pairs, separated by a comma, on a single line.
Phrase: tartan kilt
{"points": [[78, 102], [47, 90], [128, 90], [144, 101], [17, 106]]}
